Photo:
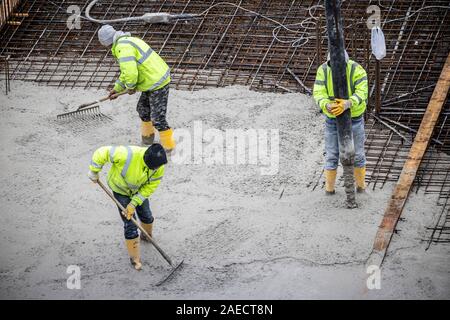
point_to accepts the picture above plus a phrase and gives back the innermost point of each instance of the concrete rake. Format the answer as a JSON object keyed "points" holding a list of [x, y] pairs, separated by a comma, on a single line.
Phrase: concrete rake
{"points": [[87, 110], [174, 267]]}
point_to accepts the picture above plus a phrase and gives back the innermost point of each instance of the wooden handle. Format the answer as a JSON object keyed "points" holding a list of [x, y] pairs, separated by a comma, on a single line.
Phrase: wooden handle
{"points": [[101, 100], [165, 256]]}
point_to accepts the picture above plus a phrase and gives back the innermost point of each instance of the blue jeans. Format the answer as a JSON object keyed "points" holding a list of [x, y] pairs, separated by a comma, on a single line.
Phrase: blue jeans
{"points": [[143, 211], [332, 145]]}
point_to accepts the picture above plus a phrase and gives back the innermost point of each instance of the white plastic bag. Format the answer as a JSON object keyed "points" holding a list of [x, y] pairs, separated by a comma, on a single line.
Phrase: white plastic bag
{"points": [[378, 43]]}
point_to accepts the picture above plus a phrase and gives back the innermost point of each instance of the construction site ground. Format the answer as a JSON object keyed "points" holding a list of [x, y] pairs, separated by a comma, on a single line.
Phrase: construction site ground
{"points": [[238, 238]]}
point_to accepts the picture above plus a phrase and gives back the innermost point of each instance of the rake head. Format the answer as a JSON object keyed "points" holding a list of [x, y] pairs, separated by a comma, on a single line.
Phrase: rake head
{"points": [[170, 274], [80, 114]]}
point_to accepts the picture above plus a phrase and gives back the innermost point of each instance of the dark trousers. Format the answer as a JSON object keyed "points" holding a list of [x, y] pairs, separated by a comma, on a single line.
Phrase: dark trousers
{"points": [[143, 211], [152, 106]]}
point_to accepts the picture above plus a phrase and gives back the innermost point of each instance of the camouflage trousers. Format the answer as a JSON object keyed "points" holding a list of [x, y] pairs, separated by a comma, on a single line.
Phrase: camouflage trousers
{"points": [[152, 106]]}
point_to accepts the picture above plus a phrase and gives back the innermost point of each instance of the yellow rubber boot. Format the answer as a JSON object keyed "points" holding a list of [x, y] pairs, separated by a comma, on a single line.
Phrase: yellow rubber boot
{"points": [[167, 140], [330, 181], [360, 179], [134, 253], [147, 227], [147, 132]]}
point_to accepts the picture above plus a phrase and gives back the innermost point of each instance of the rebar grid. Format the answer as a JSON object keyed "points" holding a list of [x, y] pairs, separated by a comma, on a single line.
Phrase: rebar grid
{"points": [[233, 47]]}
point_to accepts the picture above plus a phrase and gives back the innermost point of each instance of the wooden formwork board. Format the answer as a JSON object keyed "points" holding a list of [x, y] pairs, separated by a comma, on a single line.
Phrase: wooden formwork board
{"points": [[400, 194], [6, 9]]}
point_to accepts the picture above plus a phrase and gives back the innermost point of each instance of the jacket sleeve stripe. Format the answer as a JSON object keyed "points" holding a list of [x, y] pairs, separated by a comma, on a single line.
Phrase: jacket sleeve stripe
{"points": [[140, 196], [359, 81], [126, 59], [120, 84], [131, 85], [96, 165], [358, 97]]}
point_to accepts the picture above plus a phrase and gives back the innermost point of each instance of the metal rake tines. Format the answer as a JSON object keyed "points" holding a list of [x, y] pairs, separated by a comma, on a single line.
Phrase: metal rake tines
{"points": [[80, 114]]}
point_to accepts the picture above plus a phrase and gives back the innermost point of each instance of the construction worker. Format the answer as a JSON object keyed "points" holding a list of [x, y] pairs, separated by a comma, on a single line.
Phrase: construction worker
{"points": [[324, 96], [135, 174], [142, 69]]}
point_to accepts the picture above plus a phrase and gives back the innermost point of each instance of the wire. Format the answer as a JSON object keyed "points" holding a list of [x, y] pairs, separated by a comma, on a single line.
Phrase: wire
{"points": [[78, 15], [415, 12]]}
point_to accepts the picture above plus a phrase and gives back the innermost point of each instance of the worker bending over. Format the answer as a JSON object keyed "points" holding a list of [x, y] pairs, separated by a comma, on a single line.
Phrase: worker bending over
{"points": [[142, 69], [135, 174], [332, 108]]}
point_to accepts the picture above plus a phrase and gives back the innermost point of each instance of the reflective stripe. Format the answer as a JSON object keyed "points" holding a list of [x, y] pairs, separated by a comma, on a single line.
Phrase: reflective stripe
{"points": [[140, 196], [352, 73], [155, 179], [126, 192], [111, 154], [127, 163], [125, 169], [120, 83], [126, 59], [359, 99], [359, 81], [163, 78], [96, 165], [325, 73], [319, 82], [131, 85], [133, 44], [145, 56], [132, 186]]}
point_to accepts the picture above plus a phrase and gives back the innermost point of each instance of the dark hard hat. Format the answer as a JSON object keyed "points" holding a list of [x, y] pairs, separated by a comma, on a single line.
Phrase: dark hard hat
{"points": [[155, 156]]}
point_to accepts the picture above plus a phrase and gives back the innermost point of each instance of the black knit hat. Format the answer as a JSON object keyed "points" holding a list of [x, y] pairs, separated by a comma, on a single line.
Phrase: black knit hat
{"points": [[155, 156]]}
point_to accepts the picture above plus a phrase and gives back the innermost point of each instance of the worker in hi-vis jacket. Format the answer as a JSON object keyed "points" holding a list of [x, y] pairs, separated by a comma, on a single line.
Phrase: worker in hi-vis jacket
{"points": [[142, 69], [324, 96], [135, 174]]}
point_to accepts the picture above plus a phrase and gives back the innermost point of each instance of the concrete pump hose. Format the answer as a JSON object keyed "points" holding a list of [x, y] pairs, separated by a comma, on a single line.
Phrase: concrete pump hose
{"points": [[159, 17], [88, 16]]}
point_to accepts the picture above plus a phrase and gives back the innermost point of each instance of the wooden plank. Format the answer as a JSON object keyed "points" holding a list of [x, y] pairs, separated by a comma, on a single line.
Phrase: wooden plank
{"points": [[6, 9], [400, 194]]}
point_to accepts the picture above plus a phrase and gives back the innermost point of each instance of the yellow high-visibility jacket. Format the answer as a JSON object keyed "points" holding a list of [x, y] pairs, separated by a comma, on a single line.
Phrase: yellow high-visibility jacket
{"points": [[129, 175], [141, 68], [358, 90]]}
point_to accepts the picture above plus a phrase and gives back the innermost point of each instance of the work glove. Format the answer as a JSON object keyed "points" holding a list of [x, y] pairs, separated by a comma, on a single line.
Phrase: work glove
{"points": [[93, 176], [111, 95], [329, 106], [340, 106], [131, 91], [130, 210]]}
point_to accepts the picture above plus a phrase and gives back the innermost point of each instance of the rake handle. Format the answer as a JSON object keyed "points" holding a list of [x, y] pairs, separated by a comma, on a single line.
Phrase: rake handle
{"points": [[123, 210], [83, 106]]}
